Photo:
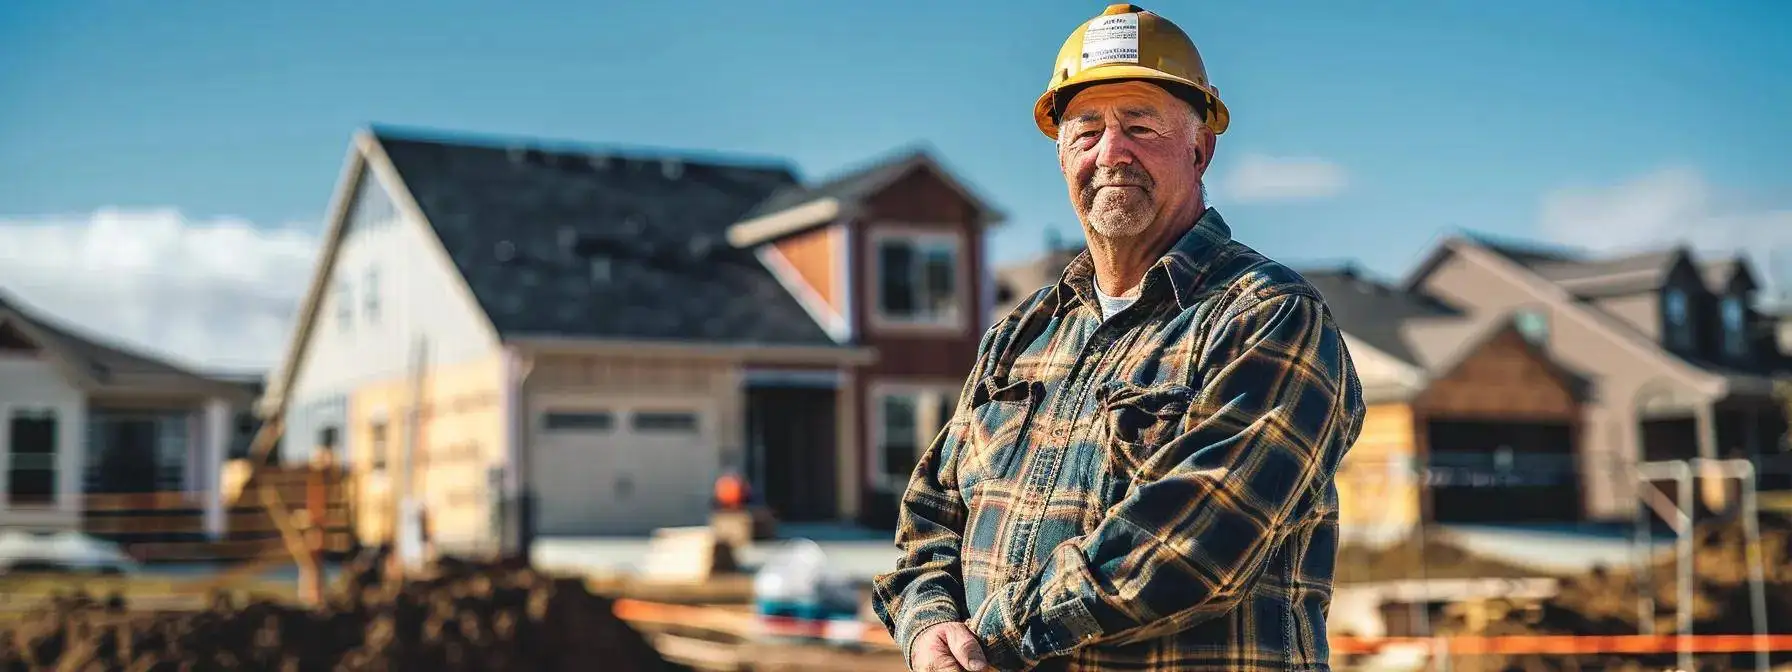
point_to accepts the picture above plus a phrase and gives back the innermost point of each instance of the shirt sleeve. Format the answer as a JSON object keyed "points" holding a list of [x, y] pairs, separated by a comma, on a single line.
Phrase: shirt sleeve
{"points": [[926, 587], [1277, 407]]}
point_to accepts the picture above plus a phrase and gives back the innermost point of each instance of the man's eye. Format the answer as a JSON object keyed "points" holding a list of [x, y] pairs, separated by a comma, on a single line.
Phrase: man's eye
{"points": [[1142, 130]]}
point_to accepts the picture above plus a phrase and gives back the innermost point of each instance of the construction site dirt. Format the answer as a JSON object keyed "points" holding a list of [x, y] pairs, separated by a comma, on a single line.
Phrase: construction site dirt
{"points": [[1609, 601], [455, 615], [452, 616]]}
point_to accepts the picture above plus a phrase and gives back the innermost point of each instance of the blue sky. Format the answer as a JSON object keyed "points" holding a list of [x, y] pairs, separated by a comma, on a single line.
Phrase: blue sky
{"points": [[1358, 133]]}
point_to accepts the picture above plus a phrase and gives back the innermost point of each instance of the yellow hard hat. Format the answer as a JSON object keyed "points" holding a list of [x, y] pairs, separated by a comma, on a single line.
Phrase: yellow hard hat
{"points": [[1129, 43]]}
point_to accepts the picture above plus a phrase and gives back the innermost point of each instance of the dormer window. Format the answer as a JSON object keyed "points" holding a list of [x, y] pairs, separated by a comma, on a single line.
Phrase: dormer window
{"points": [[1675, 311], [1735, 323]]}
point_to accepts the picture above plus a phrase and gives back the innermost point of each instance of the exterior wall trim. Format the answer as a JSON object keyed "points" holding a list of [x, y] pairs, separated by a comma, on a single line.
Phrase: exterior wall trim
{"points": [[791, 354], [966, 287], [812, 302], [783, 222], [874, 417], [832, 379], [1560, 299]]}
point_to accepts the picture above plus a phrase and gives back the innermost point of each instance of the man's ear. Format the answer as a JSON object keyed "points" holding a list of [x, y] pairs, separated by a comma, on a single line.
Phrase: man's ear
{"points": [[1204, 147]]}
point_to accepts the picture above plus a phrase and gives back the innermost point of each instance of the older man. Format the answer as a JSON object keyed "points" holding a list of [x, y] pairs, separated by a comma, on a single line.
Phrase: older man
{"points": [[1138, 474]]}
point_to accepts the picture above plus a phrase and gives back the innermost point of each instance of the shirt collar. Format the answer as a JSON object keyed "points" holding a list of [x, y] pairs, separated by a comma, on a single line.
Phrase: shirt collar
{"points": [[1178, 272]]}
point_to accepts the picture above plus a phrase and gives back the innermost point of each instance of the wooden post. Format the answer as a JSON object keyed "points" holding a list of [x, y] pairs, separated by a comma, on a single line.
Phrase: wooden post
{"points": [[316, 514]]}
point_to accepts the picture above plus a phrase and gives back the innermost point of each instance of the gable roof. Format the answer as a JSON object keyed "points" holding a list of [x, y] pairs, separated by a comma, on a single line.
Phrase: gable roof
{"points": [[1379, 314], [1499, 261], [1588, 276], [566, 242], [1419, 330], [96, 365], [796, 206], [1723, 276]]}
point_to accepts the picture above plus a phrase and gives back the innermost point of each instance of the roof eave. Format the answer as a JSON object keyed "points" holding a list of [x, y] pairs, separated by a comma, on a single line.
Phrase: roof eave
{"points": [[173, 386], [731, 352], [774, 225]]}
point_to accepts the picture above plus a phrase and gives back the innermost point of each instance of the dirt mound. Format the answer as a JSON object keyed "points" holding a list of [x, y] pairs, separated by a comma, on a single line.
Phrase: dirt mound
{"points": [[1605, 602], [456, 616], [1413, 558]]}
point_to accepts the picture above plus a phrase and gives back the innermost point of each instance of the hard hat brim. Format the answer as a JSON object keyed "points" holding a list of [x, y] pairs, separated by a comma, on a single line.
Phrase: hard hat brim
{"points": [[1045, 110]]}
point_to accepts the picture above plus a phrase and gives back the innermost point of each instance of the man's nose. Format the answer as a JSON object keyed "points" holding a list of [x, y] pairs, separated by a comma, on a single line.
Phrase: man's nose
{"points": [[1114, 148]]}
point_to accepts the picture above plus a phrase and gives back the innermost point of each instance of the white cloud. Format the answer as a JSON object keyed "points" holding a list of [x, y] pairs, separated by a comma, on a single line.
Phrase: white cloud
{"points": [[218, 294], [1257, 177], [1669, 206]]}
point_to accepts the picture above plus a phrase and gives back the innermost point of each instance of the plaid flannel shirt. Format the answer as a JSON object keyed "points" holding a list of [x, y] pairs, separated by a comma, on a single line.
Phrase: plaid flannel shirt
{"points": [[1152, 492]]}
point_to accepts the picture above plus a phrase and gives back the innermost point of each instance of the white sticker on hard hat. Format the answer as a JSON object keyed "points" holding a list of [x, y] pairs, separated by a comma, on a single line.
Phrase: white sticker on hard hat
{"points": [[1111, 39]]}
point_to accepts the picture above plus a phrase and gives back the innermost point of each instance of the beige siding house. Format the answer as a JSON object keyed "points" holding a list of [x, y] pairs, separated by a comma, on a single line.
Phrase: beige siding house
{"points": [[1680, 362], [566, 340]]}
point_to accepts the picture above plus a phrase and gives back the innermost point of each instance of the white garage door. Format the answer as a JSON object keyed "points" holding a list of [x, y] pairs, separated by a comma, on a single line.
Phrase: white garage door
{"points": [[622, 468]]}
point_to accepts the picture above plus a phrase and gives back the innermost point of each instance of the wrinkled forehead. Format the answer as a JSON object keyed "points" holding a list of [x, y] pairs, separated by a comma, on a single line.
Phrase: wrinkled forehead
{"points": [[1124, 100]]}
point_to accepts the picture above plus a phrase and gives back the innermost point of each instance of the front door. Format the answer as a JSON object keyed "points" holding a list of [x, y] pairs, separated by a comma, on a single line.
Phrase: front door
{"points": [[128, 462], [791, 440]]}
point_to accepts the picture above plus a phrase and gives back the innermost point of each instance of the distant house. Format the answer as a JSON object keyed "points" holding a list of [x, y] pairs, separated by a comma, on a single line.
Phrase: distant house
{"points": [[1778, 314], [1016, 281], [610, 329], [86, 418], [1469, 420], [1515, 384], [1681, 362]]}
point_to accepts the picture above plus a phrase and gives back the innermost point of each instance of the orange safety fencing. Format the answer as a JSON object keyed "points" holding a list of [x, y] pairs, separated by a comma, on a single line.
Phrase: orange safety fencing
{"points": [[741, 622], [1569, 644]]}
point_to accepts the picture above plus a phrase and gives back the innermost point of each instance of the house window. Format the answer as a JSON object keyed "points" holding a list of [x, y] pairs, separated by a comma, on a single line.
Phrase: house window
{"points": [[373, 208], [246, 427], [1533, 324], [376, 444], [172, 444], [31, 464], [1674, 309], [672, 422], [370, 292], [908, 422], [568, 421], [918, 279], [327, 437], [345, 305], [1735, 327]]}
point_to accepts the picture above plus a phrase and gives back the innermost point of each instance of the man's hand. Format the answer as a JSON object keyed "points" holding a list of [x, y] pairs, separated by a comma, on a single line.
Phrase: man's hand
{"points": [[947, 647]]}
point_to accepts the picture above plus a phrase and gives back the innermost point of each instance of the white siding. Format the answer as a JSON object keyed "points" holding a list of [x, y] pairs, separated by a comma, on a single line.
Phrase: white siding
{"points": [[28, 383], [1379, 372], [393, 262]]}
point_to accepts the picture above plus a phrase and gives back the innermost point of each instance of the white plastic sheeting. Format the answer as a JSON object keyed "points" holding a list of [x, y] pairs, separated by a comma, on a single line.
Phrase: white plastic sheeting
{"points": [[65, 550]]}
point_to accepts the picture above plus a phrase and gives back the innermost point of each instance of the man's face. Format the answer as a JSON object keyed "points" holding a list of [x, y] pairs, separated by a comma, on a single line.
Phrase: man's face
{"points": [[1132, 154]]}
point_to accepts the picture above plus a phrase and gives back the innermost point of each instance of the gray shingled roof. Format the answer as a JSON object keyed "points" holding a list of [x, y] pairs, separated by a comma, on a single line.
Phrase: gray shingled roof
{"points": [[1377, 313], [850, 186], [112, 365], [1588, 276], [1526, 253], [573, 242]]}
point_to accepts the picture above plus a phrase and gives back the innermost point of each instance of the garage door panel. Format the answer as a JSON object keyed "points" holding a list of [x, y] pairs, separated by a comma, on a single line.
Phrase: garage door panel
{"points": [[622, 468]]}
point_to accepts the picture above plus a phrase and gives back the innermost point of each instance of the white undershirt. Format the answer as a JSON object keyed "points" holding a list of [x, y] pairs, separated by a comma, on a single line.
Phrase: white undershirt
{"points": [[1114, 304]]}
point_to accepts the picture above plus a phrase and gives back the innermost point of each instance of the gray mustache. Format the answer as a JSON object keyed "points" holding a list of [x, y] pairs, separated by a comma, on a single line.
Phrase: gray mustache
{"points": [[1131, 176]]}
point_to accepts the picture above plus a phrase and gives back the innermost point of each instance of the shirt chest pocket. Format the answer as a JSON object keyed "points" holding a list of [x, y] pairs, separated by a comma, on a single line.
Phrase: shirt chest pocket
{"points": [[999, 414], [1139, 421]]}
